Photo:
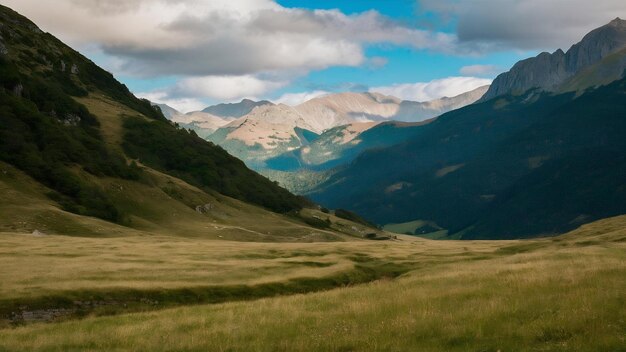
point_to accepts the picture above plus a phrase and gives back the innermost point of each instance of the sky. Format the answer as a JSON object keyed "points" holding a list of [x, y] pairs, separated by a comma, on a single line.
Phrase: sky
{"points": [[194, 53]]}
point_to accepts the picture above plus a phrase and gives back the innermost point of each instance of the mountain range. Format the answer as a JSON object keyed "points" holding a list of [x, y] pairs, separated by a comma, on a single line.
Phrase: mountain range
{"points": [[257, 131], [528, 160], [596, 60], [539, 152]]}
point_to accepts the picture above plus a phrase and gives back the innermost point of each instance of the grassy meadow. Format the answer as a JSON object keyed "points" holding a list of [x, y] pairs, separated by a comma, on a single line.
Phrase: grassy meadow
{"points": [[557, 294]]}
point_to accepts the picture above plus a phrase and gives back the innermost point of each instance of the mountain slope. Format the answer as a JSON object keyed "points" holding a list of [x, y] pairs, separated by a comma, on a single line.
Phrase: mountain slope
{"points": [[70, 125], [411, 111], [282, 133], [235, 110], [512, 167], [168, 111], [341, 145], [551, 71]]}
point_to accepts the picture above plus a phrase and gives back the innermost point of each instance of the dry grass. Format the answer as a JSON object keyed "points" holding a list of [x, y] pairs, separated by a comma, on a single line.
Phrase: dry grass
{"points": [[560, 294]]}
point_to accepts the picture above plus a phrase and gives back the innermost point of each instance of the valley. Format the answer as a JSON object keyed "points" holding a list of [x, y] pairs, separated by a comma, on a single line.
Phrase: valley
{"points": [[561, 294], [300, 210]]}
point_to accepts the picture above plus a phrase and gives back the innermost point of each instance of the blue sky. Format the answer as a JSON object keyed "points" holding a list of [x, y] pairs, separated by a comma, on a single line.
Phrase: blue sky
{"points": [[403, 65], [194, 53]]}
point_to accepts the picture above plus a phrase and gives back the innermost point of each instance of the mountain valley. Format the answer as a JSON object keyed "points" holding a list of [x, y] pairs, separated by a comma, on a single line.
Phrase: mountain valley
{"points": [[442, 215]]}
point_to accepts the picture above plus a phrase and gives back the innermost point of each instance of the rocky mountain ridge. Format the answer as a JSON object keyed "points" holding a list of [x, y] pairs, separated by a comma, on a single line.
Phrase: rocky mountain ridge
{"points": [[550, 72]]}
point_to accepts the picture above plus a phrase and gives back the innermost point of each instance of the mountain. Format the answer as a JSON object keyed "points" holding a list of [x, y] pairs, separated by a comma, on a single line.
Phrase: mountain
{"points": [[281, 132], [80, 155], [515, 166], [235, 110], [202, 123], [556, 71], [168, 111], [267, 131], [511, 167], [340, 109], [411, 111], [340, 145]]}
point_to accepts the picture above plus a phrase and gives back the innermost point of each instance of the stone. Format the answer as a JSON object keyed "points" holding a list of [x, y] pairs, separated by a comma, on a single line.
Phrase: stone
{"points": [[205, 208], [38, 233], [71, 120]]}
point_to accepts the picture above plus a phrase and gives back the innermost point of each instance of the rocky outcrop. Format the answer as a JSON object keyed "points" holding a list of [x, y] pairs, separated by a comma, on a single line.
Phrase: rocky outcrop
{"points": [[204, 208], [549, 71], [71, 120]]}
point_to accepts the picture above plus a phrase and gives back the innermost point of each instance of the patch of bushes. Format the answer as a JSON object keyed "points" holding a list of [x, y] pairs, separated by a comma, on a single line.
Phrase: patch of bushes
{"points": [[317, 222], [348, 215], [182, 153], [37, 137]]}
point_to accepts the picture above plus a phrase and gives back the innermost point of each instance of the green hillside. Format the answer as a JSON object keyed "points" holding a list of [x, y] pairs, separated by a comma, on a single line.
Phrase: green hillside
{"points": [[48, 131], [515, 166]]}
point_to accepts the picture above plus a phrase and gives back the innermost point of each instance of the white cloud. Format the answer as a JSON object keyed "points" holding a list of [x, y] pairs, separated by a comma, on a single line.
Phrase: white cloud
{"points": [[222, 37], [183, 105], [222, 49], [525, 24], [480, 70], [225, 87], [294, 99], [425, 91]]}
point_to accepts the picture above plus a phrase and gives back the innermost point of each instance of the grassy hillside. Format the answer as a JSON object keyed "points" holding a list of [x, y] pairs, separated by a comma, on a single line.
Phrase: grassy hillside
{"points": [[165, 206], [72, 127], [513, 167], [325, 152], [558, 294]]}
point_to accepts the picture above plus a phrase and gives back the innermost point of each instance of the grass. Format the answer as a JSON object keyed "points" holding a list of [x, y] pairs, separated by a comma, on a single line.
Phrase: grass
{"points": [[411, 227], [161, 205], [558, 294]]}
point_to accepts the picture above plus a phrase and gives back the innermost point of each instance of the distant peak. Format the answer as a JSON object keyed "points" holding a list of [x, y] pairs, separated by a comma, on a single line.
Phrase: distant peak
{"points": [[617, 21]]}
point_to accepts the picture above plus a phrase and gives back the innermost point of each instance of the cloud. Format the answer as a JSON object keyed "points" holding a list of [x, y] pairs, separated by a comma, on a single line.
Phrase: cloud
{"points": [[224, 87], [524, 24], [223, 49], [377, 62], [183, 105], [480, 70], [294, 99], [425, 91], [223, 37]]}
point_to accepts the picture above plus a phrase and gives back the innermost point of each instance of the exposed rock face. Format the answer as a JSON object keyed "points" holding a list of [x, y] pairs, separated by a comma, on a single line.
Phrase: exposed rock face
{"points": [[549, 71]]}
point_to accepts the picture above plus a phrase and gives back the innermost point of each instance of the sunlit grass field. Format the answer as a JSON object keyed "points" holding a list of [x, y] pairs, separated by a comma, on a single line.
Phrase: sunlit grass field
{"points": [[558, 294]]}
